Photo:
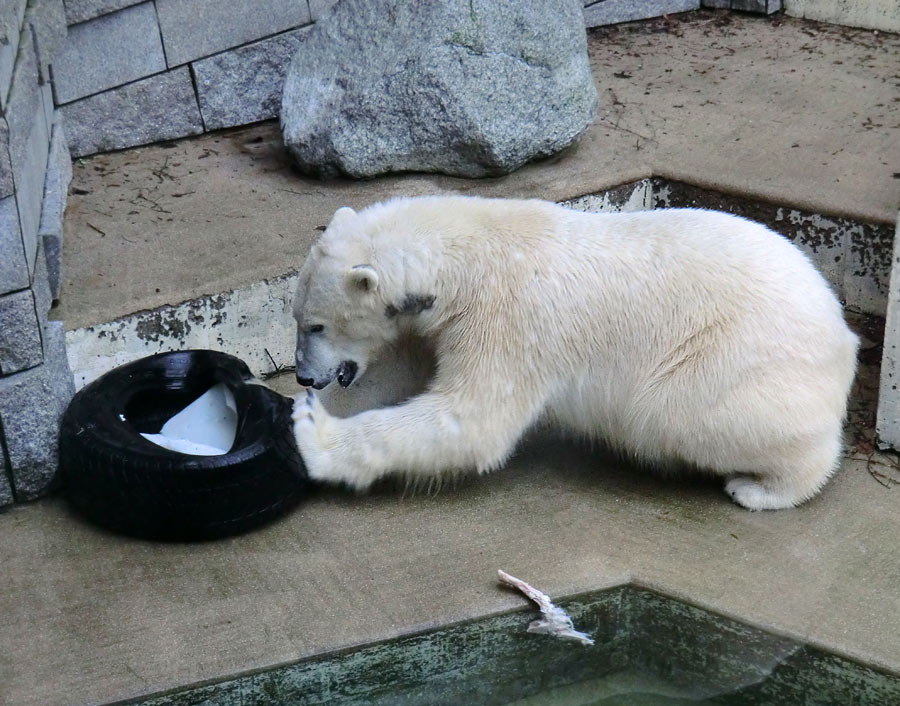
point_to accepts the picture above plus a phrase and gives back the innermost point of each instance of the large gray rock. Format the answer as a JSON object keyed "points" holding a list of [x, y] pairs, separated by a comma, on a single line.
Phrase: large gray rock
{"points": [[465, 87]]}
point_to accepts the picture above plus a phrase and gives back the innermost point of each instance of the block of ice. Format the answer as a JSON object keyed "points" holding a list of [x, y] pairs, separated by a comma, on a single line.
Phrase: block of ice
{"points": [[206, 427]]}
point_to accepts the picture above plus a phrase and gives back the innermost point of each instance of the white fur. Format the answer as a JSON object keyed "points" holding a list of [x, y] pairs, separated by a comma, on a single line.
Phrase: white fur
{"points": [[678, 336]]}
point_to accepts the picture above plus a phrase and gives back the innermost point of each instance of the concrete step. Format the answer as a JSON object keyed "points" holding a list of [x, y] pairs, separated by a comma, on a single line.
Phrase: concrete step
{"points": [[255, 323], [792, 123]]}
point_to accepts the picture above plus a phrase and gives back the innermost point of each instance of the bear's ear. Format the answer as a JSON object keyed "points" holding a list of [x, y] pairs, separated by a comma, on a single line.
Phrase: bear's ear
{"points": [[342, 214], [362, 278]]}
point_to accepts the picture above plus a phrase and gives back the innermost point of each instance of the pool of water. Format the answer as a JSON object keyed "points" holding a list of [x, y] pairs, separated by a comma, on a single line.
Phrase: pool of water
{"points": [[650, 650]]}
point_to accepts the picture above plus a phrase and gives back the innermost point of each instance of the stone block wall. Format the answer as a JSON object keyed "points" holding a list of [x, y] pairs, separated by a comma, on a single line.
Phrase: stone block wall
{"points": [[35, 168], [133, 72]]}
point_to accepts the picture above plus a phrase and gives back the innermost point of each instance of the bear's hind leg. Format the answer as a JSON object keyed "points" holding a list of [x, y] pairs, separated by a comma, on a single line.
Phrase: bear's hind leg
{"points": [[789, 479]]}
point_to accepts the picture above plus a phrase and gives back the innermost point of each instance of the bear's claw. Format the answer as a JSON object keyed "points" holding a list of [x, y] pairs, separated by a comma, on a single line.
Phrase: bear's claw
{"points": [[311, 423]]}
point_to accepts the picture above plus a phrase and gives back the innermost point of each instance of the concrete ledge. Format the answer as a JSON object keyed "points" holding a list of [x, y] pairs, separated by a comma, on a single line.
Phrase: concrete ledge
{"points": [[871, 14], [888, 424], [255, 322]]}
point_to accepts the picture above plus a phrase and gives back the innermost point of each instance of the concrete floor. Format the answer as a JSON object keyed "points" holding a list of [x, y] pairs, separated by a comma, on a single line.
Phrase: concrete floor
{"points": [[87, 617], [780, 110]]}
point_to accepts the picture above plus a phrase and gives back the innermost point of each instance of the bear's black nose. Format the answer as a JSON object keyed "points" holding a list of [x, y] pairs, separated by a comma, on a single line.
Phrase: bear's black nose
{"points": [[306, 382]]}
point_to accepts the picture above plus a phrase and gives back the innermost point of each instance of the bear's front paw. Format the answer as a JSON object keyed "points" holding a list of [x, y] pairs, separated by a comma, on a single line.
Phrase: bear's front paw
{"points": [[311, 422]]}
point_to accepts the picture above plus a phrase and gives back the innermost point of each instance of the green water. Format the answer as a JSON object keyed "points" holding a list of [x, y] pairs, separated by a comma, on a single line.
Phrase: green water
{"points": [[622, 689], [650, 650]]}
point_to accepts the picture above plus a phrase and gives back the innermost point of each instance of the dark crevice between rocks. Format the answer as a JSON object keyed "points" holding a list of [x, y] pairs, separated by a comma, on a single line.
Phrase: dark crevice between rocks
{"points": [[7, 464], [193, 76]]}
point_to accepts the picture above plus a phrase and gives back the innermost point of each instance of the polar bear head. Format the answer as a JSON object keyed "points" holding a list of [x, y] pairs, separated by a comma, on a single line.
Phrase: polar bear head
{"points": [[348, 303]]}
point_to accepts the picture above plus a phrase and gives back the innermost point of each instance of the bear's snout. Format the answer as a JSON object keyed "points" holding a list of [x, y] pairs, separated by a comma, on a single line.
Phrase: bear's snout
{"points": [[310, 382]]}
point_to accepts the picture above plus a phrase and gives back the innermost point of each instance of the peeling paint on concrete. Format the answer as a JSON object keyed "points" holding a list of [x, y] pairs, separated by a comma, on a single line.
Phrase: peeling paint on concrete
{"points": [[888, 425], [642, 638], [854, 257], [245, 322], [636, 196]]}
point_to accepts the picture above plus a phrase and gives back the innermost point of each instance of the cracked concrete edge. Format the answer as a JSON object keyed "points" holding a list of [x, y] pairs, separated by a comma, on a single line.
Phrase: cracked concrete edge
{"points": [[888, 422], [244, 322], [621, 617], [255, 322], [854, 256], [869, 14], [771, 193]]}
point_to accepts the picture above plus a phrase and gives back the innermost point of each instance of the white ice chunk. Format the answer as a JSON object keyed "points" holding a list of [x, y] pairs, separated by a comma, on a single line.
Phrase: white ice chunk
{"points": [[206, 427], [184, 446]]}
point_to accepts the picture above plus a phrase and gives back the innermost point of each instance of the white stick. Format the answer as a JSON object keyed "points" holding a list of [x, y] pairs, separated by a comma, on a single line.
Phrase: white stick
{"points": [[555, 621]]}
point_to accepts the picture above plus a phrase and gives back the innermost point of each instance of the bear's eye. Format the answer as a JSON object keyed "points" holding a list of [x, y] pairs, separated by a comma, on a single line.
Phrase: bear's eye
{"points": [[317, 328]]}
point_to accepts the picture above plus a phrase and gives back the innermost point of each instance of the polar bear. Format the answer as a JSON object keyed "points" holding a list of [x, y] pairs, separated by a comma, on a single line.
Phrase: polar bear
{"points": [[684, 338]]}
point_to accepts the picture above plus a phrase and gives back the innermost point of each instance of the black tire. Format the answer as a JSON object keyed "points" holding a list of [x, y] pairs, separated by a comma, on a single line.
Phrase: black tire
{"points": [[121, 481]]}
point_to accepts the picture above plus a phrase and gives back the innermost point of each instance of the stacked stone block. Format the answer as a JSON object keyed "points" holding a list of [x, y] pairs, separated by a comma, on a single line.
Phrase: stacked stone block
{"points": [[607, 12], [134, 72], [765, 7], [35, 168]]}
